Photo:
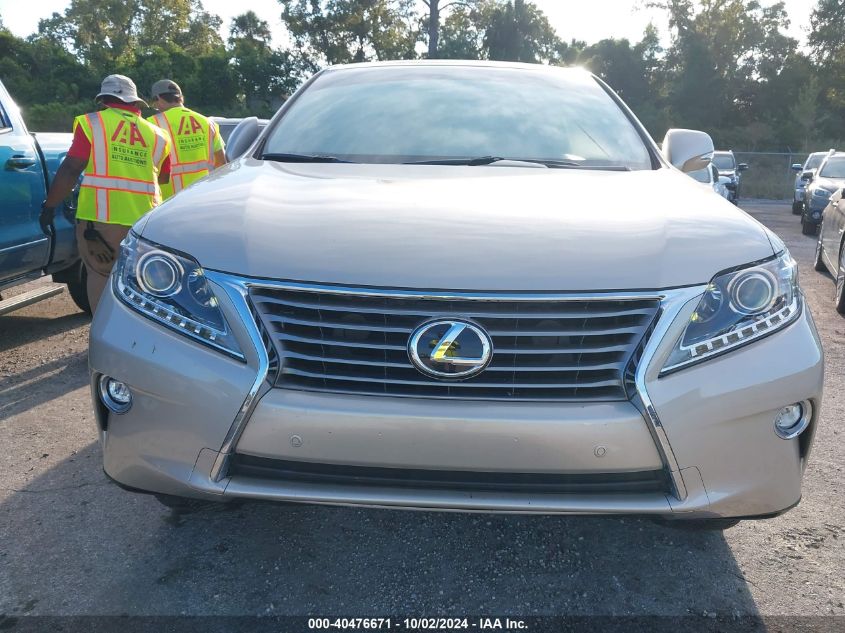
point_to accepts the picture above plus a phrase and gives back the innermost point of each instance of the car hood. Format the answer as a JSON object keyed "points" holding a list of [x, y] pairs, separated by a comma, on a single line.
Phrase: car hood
{"points": [[461, 228], [831, 184]]}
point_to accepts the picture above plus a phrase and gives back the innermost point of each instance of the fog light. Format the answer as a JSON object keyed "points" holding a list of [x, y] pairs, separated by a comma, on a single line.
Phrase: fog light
{"points": [[816, 215], [115, 394], [792, 420]]}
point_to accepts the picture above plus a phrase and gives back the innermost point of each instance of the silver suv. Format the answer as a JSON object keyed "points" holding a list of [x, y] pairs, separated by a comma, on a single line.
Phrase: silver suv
{"points": [[451, 286]]}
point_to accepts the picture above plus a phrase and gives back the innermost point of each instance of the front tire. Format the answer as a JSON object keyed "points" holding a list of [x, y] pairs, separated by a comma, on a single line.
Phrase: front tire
{"points": [[797, 208], [840, 283], [818, 262], [76, 279], [808, 228]]}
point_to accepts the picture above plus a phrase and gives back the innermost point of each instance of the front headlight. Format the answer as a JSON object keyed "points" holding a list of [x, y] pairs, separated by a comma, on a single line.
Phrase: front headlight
{"points": [[822, 193], [171, 288], [737, 307]]}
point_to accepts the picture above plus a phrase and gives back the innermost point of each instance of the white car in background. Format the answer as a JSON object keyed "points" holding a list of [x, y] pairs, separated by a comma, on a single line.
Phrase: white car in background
{"points": [[709, 178]]}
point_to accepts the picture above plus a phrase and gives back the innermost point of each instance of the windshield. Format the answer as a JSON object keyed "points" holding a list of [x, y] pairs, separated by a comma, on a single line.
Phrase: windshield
{"points": [[427, 113], [834, 168], [814, 161], [701, 175], [724, 161]]}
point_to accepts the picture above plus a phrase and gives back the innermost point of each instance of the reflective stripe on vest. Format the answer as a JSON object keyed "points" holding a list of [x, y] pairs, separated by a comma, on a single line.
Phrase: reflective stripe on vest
{"points": [[188, 161], [120, 182]]}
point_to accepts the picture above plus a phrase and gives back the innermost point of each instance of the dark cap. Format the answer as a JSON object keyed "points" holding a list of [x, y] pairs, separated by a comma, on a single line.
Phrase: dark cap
{"points": [[165, 86]]}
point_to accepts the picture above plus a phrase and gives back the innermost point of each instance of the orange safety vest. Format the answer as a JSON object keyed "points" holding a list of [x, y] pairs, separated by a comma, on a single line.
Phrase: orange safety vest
{"points": [[120, 182], [194, 138]]}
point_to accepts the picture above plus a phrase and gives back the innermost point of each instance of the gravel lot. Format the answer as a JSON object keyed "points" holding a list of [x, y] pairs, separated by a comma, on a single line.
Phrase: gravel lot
{"points": [[72, 543]]}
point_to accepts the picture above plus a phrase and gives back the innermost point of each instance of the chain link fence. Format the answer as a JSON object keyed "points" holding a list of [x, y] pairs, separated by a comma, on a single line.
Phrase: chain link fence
{"points": [[769, 174]]}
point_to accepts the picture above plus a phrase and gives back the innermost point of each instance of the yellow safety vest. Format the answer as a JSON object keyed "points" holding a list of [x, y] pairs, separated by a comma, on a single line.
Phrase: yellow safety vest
{"points": [[194, 138], [120, 182]]}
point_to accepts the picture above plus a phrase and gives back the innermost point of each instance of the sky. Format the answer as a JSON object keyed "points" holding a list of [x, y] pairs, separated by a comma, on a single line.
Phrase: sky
{"points": [[589, 21]]}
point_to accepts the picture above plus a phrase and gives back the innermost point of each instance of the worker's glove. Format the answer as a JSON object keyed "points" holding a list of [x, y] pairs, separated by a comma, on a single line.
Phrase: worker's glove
{"points": [[46, 218]]}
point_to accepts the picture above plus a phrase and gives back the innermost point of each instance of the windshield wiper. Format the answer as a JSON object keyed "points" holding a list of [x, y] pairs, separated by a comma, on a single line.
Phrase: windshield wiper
{"points": [[303, 158], [489, 160]]}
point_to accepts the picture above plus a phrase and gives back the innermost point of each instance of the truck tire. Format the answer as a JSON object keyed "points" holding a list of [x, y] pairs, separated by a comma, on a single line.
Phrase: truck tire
{"points": [[77, 286]]}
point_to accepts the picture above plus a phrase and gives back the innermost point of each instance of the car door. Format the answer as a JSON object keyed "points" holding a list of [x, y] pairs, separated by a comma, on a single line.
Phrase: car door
{"points": [[23, 245], [831, 233]]}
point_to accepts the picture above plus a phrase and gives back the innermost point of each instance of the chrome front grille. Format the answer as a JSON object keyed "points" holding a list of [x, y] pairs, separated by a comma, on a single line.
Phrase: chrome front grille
{"points": [[555, 348]]}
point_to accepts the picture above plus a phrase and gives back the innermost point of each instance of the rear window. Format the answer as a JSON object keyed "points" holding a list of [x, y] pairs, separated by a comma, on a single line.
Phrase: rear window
{"points": [[724, 161], [417, 113]]}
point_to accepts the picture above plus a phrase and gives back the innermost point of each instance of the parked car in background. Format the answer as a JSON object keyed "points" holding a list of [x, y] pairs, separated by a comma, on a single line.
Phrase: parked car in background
{"points": [[709, 178], [228, 124], [725, 162], [394, 300], [809, 167], [830, 247], [27, 165], [821, 185]]}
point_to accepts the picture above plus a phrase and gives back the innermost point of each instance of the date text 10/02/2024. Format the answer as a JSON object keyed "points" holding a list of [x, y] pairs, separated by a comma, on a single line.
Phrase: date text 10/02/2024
{"points": [[417, 624]]}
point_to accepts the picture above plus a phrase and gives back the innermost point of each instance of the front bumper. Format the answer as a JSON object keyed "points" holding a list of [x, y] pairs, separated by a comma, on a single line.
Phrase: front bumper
{"points": [[709, 427], [814, 209]]}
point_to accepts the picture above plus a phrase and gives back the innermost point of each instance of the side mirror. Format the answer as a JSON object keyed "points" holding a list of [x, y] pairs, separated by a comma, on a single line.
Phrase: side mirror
{"points": [[688, 150], [744, 166], [242, 137], [807, 175], [796, 166]]}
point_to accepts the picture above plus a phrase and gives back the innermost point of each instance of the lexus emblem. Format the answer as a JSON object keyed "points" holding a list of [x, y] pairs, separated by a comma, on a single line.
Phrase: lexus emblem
{"points": [[450, 349]]}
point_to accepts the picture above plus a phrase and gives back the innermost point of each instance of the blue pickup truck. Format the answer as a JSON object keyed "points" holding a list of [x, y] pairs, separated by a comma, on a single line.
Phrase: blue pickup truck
{"points": [[28, 163]]}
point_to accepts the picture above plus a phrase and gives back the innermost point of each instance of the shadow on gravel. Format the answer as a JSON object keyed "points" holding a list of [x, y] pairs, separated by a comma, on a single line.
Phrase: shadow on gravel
{"points": [[17, 331], [27, 389], [72, 543]]}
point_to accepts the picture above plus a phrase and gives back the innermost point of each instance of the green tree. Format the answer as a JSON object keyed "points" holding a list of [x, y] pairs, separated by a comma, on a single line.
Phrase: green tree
{"points": [[722, 53], [264, 76], [631, 70], [346, 31], [249, 27], [107, 34], [100, 32], [436, 10], [518, 31], [827, 26], [464, 30]]}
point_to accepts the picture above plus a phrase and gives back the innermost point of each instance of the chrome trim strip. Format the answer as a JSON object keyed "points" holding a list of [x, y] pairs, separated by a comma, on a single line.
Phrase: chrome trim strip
{"points": [[669, 310], [238, 295], [18, 247], [671, 303], [446, 295]]}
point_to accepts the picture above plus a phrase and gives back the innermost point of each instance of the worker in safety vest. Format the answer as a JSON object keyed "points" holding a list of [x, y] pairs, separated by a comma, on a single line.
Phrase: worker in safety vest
{"points": [[123, 159], [196, 140]]}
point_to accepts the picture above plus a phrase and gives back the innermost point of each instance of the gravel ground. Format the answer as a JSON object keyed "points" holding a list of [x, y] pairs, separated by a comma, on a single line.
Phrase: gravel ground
{"points": [[73, 544]]}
